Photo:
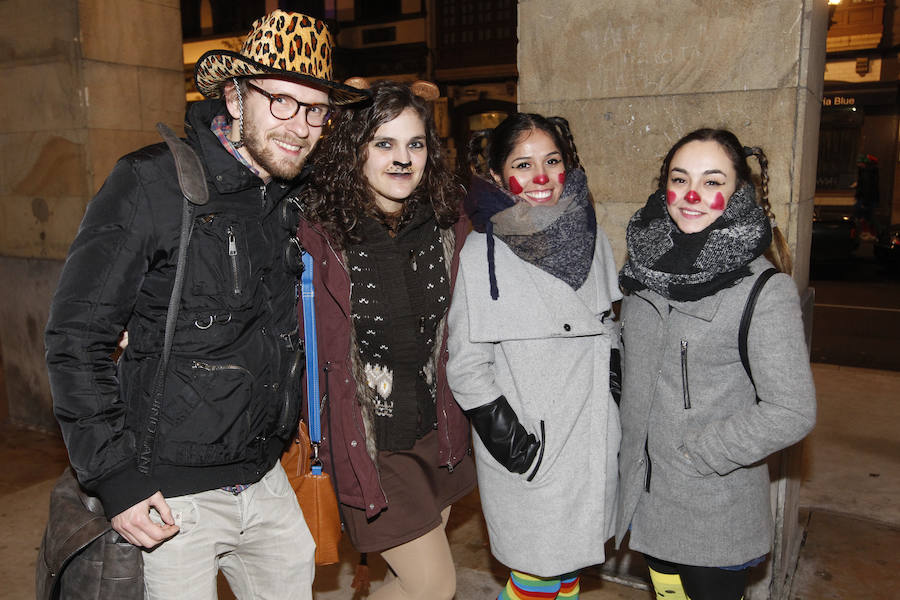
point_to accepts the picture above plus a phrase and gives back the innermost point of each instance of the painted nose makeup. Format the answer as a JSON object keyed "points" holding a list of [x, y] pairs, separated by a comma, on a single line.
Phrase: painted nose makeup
{"points": [[541, 179], [692, 197]]}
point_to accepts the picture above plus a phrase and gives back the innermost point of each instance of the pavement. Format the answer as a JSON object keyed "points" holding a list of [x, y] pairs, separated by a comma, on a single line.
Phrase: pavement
{"points": [[850, 516]]}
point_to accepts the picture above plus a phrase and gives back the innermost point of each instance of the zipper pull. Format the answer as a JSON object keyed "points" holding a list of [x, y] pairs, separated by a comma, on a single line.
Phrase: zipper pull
{"points": [[232, 244]]}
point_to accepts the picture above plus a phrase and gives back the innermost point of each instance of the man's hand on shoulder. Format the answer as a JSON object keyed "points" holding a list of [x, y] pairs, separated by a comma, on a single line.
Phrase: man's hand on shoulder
{"points": [[134, 524]]}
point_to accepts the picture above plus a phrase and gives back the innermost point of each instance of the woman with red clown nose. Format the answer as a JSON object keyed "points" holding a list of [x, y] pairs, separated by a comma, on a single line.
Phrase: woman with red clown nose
{"points": [[699, 415], [531, 338]]}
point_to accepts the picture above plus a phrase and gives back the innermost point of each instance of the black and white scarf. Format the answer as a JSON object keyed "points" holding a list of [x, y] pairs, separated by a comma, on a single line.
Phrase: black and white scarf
{"points": [[390, 275], [689, 266], [558, 239]]}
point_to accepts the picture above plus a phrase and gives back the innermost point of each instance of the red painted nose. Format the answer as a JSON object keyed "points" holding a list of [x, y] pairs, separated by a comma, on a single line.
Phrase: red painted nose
{"points": [[541, 179], [692, 197]]}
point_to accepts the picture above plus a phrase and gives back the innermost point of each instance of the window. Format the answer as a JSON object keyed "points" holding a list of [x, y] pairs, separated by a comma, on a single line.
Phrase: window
{"points": [[372, 10], [839, 135]]}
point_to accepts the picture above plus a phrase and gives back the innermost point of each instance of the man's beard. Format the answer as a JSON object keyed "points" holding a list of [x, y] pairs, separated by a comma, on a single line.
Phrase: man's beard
{"points": [[279, 168]]}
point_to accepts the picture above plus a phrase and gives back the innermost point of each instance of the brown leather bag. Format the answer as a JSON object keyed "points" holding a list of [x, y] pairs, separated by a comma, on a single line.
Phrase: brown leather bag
{"points": [[81, 556], [315, 495]]}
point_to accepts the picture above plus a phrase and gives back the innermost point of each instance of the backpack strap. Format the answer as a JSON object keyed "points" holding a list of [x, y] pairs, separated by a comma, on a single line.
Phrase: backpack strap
{"points": [[193, 187], [744, 330]]}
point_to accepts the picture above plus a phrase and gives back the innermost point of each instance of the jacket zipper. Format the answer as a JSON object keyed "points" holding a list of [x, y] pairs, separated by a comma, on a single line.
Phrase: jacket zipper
{"points": [[212, 368], [450, 466], [284, 425], [233, 256], [685, 390]]}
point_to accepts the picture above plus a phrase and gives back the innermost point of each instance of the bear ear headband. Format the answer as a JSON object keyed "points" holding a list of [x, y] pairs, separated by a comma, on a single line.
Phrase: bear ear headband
{"points": [[423, 89]]}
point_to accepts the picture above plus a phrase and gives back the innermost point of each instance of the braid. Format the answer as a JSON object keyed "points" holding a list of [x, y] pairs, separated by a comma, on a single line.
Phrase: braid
{"points": [[476, 155], [779, 253], [570, 152], [764, 177]]}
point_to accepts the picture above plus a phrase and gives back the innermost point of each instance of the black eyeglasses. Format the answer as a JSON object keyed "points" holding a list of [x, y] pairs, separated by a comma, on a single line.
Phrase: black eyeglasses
{"points": [[284, 107]]}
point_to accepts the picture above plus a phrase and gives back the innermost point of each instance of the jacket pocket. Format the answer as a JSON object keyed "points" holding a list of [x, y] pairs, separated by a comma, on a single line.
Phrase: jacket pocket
{"points": [[540, 456], [218, 267], [206, 414]]}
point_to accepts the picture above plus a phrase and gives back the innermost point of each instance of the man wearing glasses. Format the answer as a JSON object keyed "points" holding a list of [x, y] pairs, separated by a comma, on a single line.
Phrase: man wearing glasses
{"points": [[194, 479]]}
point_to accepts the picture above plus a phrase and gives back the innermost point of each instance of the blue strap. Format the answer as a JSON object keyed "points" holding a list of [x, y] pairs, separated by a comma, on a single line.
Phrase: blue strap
{"points": [[307, 296]]}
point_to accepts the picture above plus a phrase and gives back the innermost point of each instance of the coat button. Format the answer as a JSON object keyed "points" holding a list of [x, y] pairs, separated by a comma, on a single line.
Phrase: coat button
{"points": [[353, 443], [567, 327], [371, 507], [640, 461]]}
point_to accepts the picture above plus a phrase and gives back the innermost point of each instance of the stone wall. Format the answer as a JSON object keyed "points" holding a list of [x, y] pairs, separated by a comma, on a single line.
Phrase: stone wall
{"points": [[633, 77], [84, 83]]}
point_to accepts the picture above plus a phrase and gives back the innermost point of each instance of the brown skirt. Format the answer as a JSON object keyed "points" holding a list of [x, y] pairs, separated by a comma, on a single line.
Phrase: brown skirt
{"points": [[417, 491]]}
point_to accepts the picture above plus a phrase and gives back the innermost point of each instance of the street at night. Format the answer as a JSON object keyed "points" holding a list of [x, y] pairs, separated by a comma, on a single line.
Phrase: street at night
{"points": [[856, 322]]}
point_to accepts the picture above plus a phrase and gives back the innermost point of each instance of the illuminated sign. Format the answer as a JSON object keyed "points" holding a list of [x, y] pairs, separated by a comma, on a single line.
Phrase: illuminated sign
{"points": [[838, 101]]}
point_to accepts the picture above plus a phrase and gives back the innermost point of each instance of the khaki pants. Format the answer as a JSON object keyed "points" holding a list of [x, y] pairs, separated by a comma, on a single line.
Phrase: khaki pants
{"points": [[258, 538]]}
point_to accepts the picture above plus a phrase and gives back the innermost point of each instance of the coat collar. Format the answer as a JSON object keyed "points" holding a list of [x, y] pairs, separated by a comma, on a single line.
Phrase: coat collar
{"points": [[705, 308], [224, 171]]}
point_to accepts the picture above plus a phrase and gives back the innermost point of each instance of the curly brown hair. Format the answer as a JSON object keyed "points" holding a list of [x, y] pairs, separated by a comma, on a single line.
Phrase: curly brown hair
{"points": [[339, 195]]}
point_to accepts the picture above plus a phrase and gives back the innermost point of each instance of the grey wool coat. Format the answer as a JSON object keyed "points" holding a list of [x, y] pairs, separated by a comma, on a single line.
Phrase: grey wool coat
{"points": [[546, 348], [694, 482]]}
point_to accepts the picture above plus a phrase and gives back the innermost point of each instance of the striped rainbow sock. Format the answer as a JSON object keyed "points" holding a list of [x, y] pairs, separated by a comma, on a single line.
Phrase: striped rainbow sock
{"points": [[522, 586], [569, 586]]}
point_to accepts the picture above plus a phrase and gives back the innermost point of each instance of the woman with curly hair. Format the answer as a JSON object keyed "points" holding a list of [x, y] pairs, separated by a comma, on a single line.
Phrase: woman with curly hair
{"points": [[382, 224]]}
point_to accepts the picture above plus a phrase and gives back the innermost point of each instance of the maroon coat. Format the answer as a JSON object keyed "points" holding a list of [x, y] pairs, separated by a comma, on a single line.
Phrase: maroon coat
{"points": [[344, 440]]}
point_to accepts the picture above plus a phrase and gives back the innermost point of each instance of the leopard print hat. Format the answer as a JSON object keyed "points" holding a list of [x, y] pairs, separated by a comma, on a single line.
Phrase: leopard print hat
{"points": [[279, 44]]}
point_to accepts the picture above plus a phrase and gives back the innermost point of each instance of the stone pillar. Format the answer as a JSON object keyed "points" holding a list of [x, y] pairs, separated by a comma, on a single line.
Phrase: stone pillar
{"points": [[633, 77], [84, 82]]}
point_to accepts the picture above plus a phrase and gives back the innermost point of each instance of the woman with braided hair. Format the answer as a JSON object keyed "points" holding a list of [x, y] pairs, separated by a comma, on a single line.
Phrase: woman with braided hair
{"points": [[698, 418], [531, 334]]}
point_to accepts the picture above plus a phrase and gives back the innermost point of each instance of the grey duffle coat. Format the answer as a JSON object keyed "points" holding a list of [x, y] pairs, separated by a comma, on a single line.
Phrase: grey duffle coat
{"points": [[694, 482], [546, 348]]}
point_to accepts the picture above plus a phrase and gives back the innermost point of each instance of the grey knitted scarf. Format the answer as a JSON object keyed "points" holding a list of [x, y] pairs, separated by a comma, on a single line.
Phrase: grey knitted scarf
{"points": [[557, 239], [689, 266]]}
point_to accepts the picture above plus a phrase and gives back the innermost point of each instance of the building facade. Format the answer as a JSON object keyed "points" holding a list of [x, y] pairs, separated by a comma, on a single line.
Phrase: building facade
{"points": [[858, 138]]}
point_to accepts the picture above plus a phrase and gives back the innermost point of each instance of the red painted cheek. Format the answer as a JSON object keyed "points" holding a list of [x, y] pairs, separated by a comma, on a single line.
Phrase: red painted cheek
{"points": [[514, 186], [692, 197], [670, 197], [541, 179], [561, 177], [718, 203]]}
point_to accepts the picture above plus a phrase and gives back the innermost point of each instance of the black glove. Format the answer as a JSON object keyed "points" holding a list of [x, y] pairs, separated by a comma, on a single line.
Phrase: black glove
{"points": [[504, 437], [615, 375]]}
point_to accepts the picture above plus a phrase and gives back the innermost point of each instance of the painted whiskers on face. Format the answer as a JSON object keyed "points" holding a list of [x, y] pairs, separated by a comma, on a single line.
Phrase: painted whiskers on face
{"points": [[396, 158]]}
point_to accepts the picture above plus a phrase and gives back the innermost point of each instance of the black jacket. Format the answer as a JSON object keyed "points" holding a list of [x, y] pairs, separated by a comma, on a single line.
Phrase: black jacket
{"points": [[231, 391]]}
